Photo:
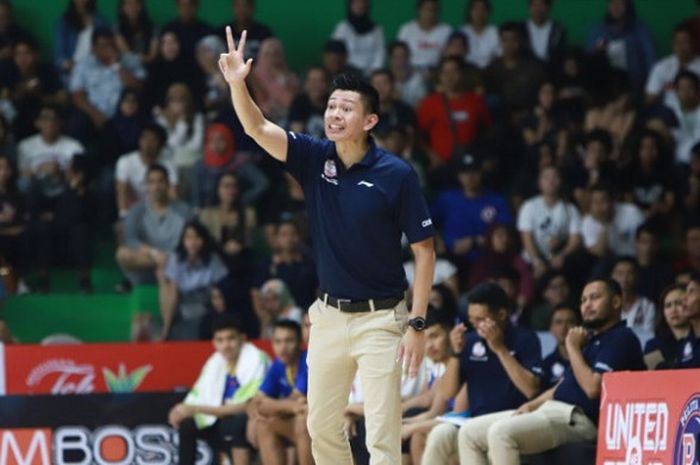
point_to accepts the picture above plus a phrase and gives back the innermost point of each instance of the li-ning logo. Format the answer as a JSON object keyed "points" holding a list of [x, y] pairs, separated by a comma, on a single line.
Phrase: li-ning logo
{"points": [[365, 183], [686, 450]]}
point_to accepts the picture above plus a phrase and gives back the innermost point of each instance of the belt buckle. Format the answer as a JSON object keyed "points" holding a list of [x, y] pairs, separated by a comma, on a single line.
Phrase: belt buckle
{"points": [[341, 301]]}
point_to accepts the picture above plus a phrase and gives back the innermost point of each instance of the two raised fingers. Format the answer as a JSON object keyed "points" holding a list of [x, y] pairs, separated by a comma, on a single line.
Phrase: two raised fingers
{"points": [[231, 44]]}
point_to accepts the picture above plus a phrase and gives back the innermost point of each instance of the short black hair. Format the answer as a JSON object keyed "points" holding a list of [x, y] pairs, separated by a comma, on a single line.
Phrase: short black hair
{"points": [[611, 286], [602, 187], [226, 321], [26, 39], [291, 325], [689, 75], [435, 316], [649, 227], [600, 135], [398, 44], [158, 168], [682, 28], [208, 244], [383, 72], [420, 3], [156, 129], [560, 308], [506, 272], [353, 83], [491, 295], [335, 46], [547, 2], [57, 110], [511, 26], [101, 32], [625, 259]]}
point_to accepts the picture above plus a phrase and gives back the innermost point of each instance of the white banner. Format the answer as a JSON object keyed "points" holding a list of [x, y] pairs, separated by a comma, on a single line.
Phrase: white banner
{"points": [[2, 369]]}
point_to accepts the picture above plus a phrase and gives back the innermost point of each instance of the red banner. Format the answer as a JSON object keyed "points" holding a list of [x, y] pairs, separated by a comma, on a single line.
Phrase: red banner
{"points": [[650, 418], [103, 368]]}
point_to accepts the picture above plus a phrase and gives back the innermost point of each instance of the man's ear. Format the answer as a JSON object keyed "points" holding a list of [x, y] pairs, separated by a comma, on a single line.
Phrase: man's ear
{"points": [[371, 121]]}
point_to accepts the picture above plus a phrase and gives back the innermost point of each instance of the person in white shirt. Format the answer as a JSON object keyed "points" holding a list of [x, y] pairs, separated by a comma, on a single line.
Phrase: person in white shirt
{"points": [[425, 36], [550, 227], [130, 171], [40, 153], [610, 227], [362, 36], [410, 84], [484, 41], [638, 311], [686, 107], [661, 79], [546, 37]]}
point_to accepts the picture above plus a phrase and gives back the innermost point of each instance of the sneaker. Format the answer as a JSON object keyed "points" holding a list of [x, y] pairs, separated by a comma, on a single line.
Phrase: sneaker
{"points": [[85, 286], [123, 287]]}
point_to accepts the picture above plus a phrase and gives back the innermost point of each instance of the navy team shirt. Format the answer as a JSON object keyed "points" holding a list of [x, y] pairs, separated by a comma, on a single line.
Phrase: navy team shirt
{"points": [[616, 349], [277, 383], [357, 216], [553, 368], [488, 386], [689, 347]]}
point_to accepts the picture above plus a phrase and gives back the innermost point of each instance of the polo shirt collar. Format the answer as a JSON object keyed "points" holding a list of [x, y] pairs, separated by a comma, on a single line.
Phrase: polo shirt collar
{"points": [[619, 324], [370, 157]]}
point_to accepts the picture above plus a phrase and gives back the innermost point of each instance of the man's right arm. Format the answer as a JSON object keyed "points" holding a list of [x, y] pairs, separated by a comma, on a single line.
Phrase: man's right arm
{"points": [[235, 69]]}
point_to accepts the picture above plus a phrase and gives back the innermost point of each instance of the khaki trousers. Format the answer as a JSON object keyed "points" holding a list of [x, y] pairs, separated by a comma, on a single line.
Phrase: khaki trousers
{"points": [[340, 344]]}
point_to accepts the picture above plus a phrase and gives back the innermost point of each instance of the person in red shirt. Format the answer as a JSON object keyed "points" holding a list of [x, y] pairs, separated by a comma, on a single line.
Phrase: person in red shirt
{"points": [[451, 118]]}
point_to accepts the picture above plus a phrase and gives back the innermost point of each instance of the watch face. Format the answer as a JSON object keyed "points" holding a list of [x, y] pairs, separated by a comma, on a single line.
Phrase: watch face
{"points": [[417, 323]]}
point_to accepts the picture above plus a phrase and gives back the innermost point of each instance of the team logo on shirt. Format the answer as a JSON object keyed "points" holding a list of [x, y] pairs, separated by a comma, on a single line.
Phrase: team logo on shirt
{"points": [[687, 351], [686, 451], [488, 214], [479, 351], [329, 169], [557, 370]]}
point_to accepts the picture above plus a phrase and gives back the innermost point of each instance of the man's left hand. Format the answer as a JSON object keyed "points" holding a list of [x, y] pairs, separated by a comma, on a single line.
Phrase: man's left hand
{"points": [[492, 333], [411, 350]]}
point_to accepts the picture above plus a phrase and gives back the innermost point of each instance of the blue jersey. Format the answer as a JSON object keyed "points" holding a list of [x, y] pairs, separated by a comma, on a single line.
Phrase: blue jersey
{"points": [[279, 382]]}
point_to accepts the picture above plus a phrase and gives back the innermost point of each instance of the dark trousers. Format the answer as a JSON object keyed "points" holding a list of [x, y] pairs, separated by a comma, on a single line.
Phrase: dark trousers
{"points": [[226, 433], [52, 238]]}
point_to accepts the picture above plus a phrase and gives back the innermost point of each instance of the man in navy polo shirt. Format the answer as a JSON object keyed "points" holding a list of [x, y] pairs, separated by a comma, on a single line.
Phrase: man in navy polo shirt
{"points": [[689, 356], [567, 412], [360, 200], [562, 318], [273, 410], [500, 364]]}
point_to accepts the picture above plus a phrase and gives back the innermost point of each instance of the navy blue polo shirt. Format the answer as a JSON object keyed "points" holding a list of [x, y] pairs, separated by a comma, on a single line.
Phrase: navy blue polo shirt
{"points": [[357, 216], [488, 386], [553, 368], [616, 349], [277, 383], [689, 351]]}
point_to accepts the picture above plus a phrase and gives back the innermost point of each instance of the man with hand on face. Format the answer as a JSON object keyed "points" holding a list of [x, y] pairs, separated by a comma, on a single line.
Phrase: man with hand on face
{"points": [[499, 363], [567, 412], [360, 200]]}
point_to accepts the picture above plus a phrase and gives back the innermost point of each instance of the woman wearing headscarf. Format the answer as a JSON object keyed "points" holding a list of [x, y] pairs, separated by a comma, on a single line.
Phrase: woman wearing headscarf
{"points": [[363, 38]]}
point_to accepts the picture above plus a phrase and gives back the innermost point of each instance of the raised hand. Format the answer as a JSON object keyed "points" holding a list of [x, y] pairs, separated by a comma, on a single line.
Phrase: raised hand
{"points": [[233, 64]]}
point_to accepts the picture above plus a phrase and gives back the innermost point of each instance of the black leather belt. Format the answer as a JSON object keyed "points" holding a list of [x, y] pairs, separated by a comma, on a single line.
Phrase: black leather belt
{"points": [[359, 306]]}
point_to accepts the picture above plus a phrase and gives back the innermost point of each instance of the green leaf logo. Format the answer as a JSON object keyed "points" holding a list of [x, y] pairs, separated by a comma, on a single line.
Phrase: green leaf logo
{"points": [[124, 382]]}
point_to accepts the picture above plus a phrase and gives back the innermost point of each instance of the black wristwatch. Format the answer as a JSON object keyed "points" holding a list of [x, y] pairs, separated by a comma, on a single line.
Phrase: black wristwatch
{"points": [[417, 323]]}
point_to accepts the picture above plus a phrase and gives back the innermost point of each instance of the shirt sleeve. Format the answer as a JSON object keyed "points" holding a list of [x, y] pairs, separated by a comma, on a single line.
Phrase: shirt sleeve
{"points": [[414, 217], [77, 78], [270, 386], [617, 355], [574, 220], [302, 154], [529, 353], [218, 269], [655, 84], [525, 218]]}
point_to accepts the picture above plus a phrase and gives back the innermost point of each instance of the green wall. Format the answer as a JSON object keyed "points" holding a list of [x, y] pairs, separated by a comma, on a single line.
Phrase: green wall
{"points": [[304, 25]]}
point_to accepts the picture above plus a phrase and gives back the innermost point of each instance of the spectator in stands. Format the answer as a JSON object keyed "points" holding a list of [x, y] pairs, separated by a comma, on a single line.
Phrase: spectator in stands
{"points": [[152, 229], [275, 303], [184, 126], [547, 37], [425, 36], [651, 182], [231, 224], [466, 214], [500, 363], [13, 252], [626, 41], [392, 111], [654, 272], [567, 412], [97, 81], [123, 130], [188, 28], [550, 227], [689, 188], [287, 205], [190, 271], [73, 34], [170, 66], [659, 86], [592, 167], [690, 260], [131, 168], [273, 411], [273, 83], [562, 318], [693, 25], [219, 157], [686, 108], [457, 45], [363, 37], [638, 311], [135, 30], [307, 107], [610, 227], [335, 59], [291, 264], [243, 20], [541, 125], [689, 347], [452, 118], [671, 327], [10, 31], [208, 50], [215, 408], [61, 210], [484, 45], [28, 83], [47, 153], [553, 289], [514, 77], [410, 84]]}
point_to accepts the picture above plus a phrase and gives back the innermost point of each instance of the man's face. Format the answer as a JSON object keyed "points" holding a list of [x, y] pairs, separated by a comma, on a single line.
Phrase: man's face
{"points": [[25, 57], [399, 58], [645, 245], [601, 205], [437, 343], [228, 342], [157, 185], [186, 10], [450, 76], [557, 290], [539, 10], [346, 118], [470, 179], [149, 144], [479, 314], [510, 43], [687, 92], [549, 182], [385, 88], [683, 45], [598, 306], [626, 276], [243, 10], [105, 50], [692, 243], [287, 237], [285, 345], [562, 321], [428, 12], [691, 307], [49, 124]]}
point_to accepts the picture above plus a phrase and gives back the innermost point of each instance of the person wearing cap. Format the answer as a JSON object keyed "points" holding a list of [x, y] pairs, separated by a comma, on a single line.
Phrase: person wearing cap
{"points": [[466, 214], [500, 363], [360, 201]]}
